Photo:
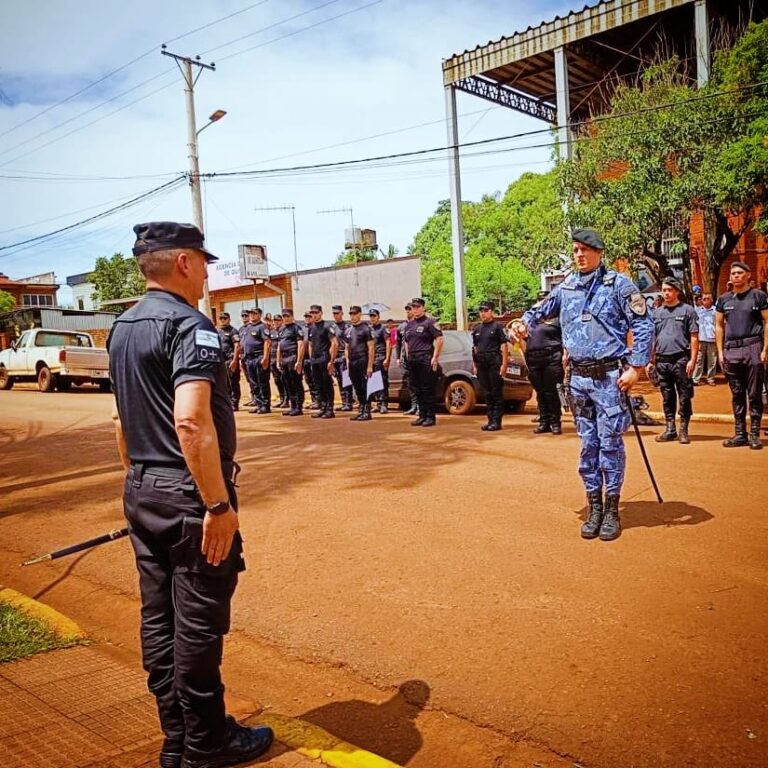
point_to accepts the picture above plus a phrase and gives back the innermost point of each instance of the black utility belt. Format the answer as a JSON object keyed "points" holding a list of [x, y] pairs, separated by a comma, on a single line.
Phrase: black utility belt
{"points": [[495, 354], [252, 355], [548, 352], [596, 369], [672, 358], [745, 342], [230, 469]]}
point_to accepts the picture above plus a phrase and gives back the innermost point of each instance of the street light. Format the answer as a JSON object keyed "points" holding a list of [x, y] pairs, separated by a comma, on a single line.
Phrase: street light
{"points": [[214, 118]]}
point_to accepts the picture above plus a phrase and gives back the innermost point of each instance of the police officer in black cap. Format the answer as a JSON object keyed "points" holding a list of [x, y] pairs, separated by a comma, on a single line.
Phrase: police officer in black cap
{"points": [[256, 350], [675, 351], [323, 346], [274, 335], [359, 353], [290, 360], [544, 358], [230, 347], [308, 377], [341, 330], [402, 359], [245, 318], [741, 334], [423, 344], [382, 352], [490, 355], [176, 437]]}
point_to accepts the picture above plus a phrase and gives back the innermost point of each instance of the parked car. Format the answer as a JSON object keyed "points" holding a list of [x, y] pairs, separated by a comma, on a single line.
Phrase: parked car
{"points": [[457, 387], [55, 360]]}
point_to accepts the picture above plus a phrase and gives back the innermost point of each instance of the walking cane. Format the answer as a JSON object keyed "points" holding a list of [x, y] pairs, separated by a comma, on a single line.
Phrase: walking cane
{"points": [[111, 536], [642, 447]]}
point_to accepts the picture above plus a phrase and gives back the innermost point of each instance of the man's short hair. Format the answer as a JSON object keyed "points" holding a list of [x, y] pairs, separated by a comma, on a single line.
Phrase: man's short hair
{"points": [[158, 265]]}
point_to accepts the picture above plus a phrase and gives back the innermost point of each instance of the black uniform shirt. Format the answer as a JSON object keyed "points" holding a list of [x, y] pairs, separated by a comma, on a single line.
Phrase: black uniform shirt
{"points": [[290, 336], [674, 326], [545, 335], [321, 334], [420, 335], [274, 337], [341, 335], [380, 335], [401, 338], [358, 337], [155, 346], [742, 313], [229, 337], [253, 339], [488, 337]]}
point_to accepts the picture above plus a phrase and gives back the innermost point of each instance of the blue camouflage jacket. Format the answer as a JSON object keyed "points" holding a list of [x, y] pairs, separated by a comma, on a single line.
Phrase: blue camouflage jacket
{"points": [[597, 316]]}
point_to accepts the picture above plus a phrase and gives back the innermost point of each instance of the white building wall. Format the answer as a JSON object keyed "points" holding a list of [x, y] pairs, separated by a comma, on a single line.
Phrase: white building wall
{"points": [[393, 282], [83, 292]]}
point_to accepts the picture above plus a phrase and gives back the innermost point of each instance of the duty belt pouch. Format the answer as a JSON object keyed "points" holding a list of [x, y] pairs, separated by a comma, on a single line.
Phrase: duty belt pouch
{"points": [[187, 555]]}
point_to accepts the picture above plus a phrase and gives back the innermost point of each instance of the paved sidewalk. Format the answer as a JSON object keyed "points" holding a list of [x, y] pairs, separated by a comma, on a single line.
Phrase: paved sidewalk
{"points": [[85, 707]]}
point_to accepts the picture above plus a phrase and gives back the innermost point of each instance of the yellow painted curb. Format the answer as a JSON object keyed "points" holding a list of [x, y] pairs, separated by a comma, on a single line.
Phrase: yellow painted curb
{"points": [[712, 418], [65, 628], [317, 744]]}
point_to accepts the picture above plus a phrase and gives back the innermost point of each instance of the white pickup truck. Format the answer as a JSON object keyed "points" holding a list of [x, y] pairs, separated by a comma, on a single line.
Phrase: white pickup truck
{"points": [[55, 360]]}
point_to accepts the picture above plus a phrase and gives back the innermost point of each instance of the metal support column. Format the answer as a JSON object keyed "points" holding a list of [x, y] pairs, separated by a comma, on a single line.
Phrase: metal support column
{"points": [[703, 57], [457, 226], [565, 144]]}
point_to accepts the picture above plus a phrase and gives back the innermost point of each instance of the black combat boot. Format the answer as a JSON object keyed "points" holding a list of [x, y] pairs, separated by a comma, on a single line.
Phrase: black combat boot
{"points": [[244, 744], [683, 433], [739, 438], [171, 753], [328, 413], [417, 422], [429, 421], [669, 433], [754, 434], [611, 525], [556, 427], [542, 427], [366, 413], [359, 415], [591, 527], [319, 414]]}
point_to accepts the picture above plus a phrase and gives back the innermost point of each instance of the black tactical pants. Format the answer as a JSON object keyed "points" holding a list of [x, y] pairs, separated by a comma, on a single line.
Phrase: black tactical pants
{"points": [[408, 383], [345, 392], [675, 384], [424, 381], [185, 603], [323, 383], [278, 379], [488, 366], [310, 381], [745, 371], [260, 378], [545, 370], [234, 383], [358, 372], [294, 388]]}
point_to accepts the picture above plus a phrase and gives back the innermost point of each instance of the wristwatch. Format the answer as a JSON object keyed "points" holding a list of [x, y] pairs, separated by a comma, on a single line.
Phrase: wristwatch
{"points": [[219, 508]]}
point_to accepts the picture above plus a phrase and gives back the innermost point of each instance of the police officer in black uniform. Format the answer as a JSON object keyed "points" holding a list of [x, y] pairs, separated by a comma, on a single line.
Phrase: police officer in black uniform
{"points": [[230, 347], [274, 336], [308, 378], [402, 360], [544, 358], [290, 360], [382, 352], [340, 362], [323, 346], [423, 344], [256, 349], [245, 318], [490, 355], [675, 351], [741, 334], [359, 353], [176, 437]]}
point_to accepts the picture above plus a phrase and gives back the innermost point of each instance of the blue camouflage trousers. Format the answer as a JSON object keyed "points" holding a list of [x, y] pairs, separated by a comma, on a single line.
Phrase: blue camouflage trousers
{"points": [[601, 417]]}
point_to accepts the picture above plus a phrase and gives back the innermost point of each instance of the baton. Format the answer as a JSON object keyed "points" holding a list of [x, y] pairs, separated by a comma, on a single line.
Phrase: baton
{"points": [[111, 536], [642, 447]]}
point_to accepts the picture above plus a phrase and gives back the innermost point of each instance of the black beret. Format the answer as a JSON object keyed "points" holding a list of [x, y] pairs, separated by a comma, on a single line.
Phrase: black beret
{"points": [[337, 308], [164, 235], [588, 237], [672, 282], [741, 265], [418, 302], [486, 305], [355, 308]]}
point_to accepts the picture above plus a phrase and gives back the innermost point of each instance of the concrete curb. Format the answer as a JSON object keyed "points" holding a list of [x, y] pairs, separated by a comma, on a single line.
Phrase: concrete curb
{"points": [[317, 744], [713, 418], [65, 628]]}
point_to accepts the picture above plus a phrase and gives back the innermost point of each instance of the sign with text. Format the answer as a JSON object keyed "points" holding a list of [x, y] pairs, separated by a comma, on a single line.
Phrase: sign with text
{"points": [[253, 262]]}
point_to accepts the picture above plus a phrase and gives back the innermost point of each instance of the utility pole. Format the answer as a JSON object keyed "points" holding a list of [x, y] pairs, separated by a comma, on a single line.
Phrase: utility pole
{"points": [[185, 64], [292, 209], [352, 225]]}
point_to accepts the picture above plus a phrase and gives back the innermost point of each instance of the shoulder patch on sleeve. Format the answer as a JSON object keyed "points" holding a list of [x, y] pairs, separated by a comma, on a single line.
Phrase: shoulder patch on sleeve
{"points": [[637, 304], [207, 346]]}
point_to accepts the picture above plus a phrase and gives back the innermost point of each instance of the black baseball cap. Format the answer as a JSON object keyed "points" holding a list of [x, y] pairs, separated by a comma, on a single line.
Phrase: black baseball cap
{"points": [[673, 282], [409, 305], [354, 309], [417, 302], [374, 312], [486, 305], [244, 313], [287, 311], [315, 308], [164, 235], [255, 309], [741, 265], [337, 308], [588, 237]]}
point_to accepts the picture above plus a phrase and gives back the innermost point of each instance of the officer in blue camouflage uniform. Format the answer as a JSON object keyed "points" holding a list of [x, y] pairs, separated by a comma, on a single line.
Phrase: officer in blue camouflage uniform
{"points": [[597, 307]]}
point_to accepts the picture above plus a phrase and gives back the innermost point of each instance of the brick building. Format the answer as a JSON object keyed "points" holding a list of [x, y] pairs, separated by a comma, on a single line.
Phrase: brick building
{"points": [[31, 292]]}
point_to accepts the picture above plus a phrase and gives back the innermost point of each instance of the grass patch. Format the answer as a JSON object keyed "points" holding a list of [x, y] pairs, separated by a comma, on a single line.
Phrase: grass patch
{"points": [[22, 636]]}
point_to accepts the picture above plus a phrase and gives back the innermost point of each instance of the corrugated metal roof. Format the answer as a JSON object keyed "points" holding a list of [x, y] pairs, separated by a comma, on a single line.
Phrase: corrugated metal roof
{"points": [[75, 320], [549, 35]]}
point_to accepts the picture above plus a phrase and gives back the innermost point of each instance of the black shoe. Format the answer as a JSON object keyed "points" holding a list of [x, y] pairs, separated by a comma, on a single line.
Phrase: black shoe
{"points": [[611, 525], [418, 422], [494, 427], [591, 527], [243, 745], [739, 438], [754, 437], [669, 434], [429, 422], [171, 754], [318, 415], [486, 427], [556, 428], [264, 409], [365, 415], [329, 414], [682, 434], [542, 428], [411, 412]]}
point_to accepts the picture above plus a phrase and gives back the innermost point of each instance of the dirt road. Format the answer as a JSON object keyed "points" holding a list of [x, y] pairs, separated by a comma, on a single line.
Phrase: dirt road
{"points": [[379, 554]]}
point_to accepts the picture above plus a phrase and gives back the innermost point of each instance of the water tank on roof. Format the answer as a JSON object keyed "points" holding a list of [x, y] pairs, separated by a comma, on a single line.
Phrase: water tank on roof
{"points": [[353, 237]]}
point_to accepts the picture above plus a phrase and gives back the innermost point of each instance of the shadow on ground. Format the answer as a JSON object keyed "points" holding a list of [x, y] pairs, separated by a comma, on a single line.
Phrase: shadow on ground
{"points": [[651, 514]]}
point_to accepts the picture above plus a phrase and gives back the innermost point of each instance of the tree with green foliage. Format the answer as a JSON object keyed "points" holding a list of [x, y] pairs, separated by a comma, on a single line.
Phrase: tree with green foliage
{"points": [[355, 256], [509, 239], [7, 302], [117, 277]]}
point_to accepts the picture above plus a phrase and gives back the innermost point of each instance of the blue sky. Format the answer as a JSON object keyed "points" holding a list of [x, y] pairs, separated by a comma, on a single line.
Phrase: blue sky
{"points": [[375, 71]]}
